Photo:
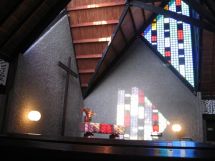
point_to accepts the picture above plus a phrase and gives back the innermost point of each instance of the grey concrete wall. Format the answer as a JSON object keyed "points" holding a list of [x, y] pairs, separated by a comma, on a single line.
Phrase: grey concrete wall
{"points": [[40, 84], [143, 69]]}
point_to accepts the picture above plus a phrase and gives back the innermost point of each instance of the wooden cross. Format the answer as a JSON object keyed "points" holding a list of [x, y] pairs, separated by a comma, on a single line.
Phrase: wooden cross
{"points": [[69, 72]]}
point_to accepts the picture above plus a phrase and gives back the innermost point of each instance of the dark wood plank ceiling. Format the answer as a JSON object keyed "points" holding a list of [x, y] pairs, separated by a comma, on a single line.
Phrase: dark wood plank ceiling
{"points": [[207, 77], [207, 57], [92, 23], [21, 22], [6, 7]]}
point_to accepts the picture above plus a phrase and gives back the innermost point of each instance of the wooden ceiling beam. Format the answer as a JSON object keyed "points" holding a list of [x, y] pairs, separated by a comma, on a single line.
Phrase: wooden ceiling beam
{"points": [[96, 23], [95, 40], [99, 5], [132, 20], [151, 1], [86, 71], [144, 15], [123, 35], [88, 56], [84, 85]]}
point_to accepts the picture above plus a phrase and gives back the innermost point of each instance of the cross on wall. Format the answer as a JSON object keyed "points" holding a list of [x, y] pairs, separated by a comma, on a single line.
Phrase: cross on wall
{"points": [[73, 74]]}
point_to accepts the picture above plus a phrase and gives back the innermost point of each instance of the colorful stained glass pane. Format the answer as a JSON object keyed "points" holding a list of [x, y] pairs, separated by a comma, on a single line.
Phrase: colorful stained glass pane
{"points": [[167, 53], [173, 40], [178, 2], [180, 35]]}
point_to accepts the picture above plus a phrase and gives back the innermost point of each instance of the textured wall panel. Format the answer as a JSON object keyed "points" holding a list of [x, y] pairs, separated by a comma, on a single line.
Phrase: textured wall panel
{"points": [[40, 82], [143, 69]]}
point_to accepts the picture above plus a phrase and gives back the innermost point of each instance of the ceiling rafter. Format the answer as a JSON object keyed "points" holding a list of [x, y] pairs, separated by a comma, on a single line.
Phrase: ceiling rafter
{"points": [[93, 6], [132, 19]]}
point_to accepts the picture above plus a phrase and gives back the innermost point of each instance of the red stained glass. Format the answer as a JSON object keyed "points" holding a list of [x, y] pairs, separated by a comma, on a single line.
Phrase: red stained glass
{"points": [[180, 34], [167, 53], [178, 2], [155, 128], [154, 38]]}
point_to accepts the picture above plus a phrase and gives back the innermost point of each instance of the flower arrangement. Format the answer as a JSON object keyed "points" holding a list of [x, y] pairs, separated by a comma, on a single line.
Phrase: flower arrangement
{"points": [[88, 114]]}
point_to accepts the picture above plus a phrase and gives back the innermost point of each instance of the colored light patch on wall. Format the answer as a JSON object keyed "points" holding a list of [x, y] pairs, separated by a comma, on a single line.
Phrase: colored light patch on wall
{"points": [[142, 121], [172, 39]]}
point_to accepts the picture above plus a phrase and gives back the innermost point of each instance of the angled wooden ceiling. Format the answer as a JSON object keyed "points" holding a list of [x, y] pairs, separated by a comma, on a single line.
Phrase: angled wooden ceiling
{"points": [[92, 23]]}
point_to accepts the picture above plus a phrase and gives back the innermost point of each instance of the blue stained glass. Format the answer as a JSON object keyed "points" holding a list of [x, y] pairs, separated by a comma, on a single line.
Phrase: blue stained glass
{"points": [[147, 33], [175, 35]]}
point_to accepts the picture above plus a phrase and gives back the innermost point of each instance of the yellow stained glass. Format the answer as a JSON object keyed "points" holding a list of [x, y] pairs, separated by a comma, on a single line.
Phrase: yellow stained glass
{"points": [[154, 26], [166, 7]]}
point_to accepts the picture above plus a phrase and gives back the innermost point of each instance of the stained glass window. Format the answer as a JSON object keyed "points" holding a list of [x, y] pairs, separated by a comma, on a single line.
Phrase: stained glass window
{"points": [[172, 39]]}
